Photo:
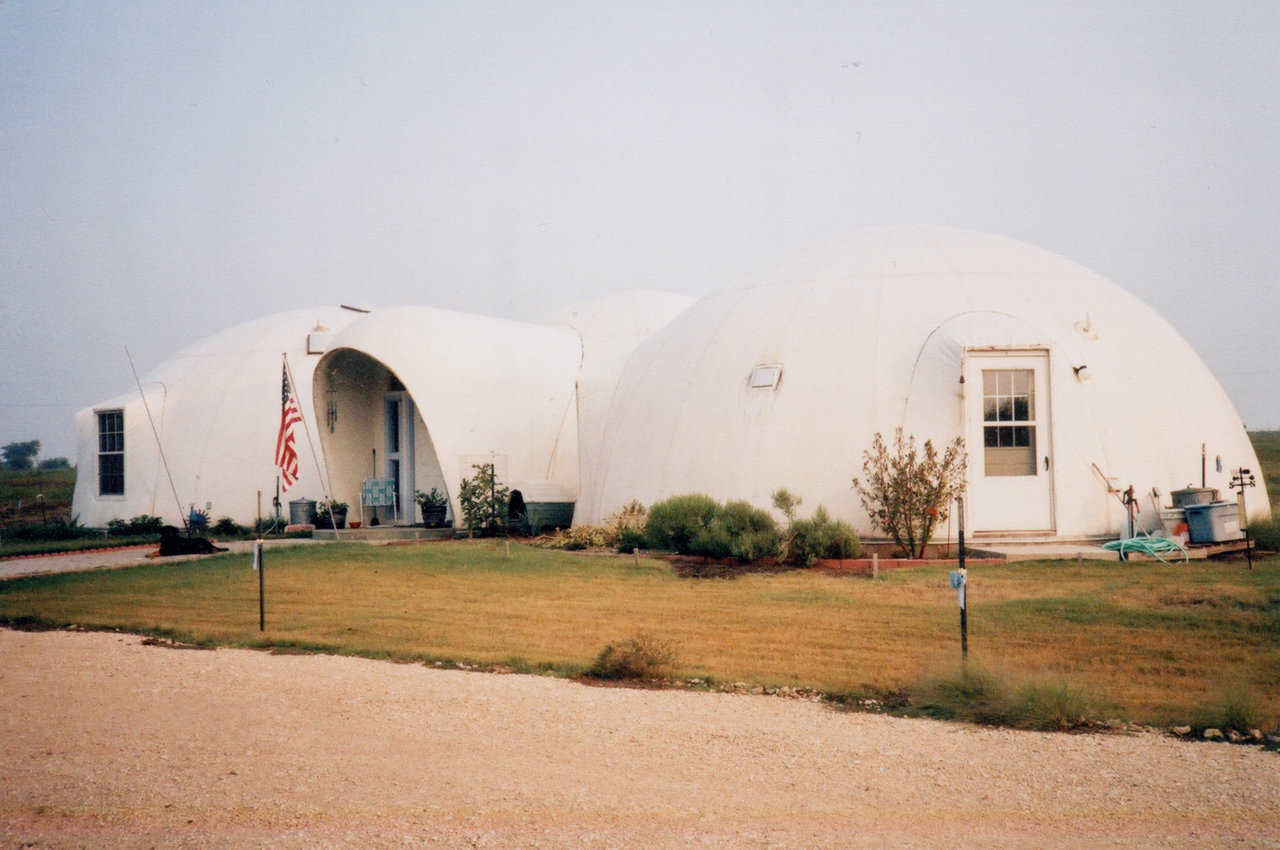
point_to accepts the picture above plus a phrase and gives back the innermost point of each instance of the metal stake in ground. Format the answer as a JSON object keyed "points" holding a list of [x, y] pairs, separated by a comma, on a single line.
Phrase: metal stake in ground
{"points": [[262, 605]]}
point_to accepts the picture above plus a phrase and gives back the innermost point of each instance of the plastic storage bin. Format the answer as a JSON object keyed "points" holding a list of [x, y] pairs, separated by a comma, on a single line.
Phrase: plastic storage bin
{"points": [[1216, 522], [1174, 521], [1193, 496]]}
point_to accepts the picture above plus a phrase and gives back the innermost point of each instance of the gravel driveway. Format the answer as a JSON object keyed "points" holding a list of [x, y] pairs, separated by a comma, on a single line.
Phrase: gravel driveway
{"points": [[109, 742], [131, 556]]}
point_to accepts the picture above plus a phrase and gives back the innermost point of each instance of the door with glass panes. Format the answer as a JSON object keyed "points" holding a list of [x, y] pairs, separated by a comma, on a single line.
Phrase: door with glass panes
{"points": [[1009, 441]]}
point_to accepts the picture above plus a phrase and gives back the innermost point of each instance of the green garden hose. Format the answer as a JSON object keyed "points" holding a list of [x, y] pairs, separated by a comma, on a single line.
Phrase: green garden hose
{"points": [[1156, 547]]}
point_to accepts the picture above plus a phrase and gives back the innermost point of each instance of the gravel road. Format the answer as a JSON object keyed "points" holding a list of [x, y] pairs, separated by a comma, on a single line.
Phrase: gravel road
{"points": [[109, 742]]}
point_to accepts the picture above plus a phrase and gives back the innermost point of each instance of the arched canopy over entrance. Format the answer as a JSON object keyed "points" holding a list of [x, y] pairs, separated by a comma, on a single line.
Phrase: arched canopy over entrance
{"points": [[418, 395]]}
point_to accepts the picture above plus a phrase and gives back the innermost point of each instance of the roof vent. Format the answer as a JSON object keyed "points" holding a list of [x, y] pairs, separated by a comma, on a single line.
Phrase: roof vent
{"points": [[765, 376]]}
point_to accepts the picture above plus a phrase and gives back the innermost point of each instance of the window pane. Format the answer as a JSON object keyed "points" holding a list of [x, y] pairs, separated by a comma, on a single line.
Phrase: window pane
{"points": [[989, 437], [988, 410], [111, 474], [393, 426], [988, 383], [1022, 381], [1005, 409], [1021, 436], [1006, 383], [1020, 408]]}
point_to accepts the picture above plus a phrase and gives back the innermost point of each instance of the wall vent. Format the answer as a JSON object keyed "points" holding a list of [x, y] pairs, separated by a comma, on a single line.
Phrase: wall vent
{"points": [[765, 376]]}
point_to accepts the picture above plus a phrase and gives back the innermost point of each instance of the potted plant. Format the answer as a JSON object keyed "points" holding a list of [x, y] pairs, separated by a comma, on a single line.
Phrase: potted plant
{"points": [[433, 506], [322, 515]]}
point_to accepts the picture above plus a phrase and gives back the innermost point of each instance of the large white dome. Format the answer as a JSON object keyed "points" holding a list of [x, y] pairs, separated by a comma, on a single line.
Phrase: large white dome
{"points": [[875, 333]]}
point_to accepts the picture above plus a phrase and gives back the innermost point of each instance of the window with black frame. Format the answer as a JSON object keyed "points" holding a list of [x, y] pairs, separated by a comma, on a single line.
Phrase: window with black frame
{"points": [[111, 453]]}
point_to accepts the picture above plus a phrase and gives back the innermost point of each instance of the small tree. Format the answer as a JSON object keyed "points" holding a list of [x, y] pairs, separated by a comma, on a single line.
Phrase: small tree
{"points": [[787, 502], [907, 491], [483, 500], [20, 456]]}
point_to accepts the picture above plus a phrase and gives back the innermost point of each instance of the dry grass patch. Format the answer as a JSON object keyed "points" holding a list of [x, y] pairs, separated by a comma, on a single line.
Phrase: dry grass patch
{"points": [[1154, 641]]}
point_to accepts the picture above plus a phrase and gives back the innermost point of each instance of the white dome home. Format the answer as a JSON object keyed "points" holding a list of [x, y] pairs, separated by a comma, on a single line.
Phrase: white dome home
{"points": [[1065, 388]]}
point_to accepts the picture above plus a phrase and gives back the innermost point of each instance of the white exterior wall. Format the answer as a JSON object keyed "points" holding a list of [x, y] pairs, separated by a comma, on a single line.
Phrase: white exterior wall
{"points": [[610, 328], [217, 408]]}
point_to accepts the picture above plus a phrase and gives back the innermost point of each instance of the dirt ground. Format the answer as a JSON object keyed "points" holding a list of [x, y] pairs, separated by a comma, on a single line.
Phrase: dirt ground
{"points": [[109, 742]]}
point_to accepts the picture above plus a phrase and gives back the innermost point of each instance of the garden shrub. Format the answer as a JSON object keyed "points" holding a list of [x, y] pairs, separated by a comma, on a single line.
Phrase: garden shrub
{"points": [[139, 525], [675, 522], [641, 657], [227, 527], [807, 540], [484, 500], [755, 546], [743, 518], [714, 541], [906, 491], [630, 517], [1266, 533], [631, 539]]}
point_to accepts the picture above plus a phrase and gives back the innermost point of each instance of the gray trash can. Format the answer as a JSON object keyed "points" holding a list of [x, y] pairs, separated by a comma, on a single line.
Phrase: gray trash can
{"points": [[1216, 522], [300, 511]]}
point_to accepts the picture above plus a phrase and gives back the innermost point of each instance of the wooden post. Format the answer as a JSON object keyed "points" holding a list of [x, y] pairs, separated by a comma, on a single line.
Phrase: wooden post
{"points": [[875, 565], [257, 517], [635, 555]]}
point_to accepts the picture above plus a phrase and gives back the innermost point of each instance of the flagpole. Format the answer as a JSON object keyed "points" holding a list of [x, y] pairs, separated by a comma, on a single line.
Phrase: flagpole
{"points": [[159, 445], [315, 457]]}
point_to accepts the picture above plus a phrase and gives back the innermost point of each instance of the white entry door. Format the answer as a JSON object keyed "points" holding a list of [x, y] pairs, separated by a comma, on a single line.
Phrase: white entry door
{"points": [[1009, 443], [398, 418]]}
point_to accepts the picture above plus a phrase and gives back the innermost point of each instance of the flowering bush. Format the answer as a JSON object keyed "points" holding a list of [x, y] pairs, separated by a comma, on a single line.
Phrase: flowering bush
{"points": [[907, 491]]}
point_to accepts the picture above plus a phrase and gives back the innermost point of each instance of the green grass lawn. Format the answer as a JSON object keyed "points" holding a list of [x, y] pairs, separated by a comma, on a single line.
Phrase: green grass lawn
{"points": [[1267, 446], [20, 490], [1151, 643]]}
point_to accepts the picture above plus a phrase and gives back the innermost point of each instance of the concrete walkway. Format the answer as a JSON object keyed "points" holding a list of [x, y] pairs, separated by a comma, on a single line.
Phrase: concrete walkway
{"points": [[78, 562]]}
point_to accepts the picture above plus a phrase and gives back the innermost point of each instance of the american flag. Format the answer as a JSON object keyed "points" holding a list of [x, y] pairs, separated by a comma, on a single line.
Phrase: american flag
{"points": [[290, 415]]}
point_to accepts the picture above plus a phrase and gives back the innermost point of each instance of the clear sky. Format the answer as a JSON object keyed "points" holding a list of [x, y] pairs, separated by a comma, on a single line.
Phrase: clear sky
{"points": [[171, 169]]}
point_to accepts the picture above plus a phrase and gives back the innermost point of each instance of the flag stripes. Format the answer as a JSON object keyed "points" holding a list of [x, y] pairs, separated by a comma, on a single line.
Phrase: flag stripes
{"points": [[286, 451]]}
